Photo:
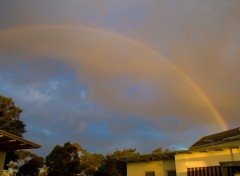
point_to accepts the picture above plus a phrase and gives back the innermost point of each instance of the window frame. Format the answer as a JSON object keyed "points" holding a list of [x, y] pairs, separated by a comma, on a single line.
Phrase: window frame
{"points": [[149, 172]]}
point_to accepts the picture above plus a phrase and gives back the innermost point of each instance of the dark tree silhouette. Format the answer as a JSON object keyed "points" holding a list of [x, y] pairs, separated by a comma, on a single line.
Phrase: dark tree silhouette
{"points": [[10, 122], [10, 117], [63, 161], [113, 167], [31, 167]]}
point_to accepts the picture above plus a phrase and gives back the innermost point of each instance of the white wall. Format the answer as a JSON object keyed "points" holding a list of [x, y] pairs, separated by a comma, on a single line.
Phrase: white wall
{"points": [[139, 168], [168, 165], [159, 167], [204, 159]]}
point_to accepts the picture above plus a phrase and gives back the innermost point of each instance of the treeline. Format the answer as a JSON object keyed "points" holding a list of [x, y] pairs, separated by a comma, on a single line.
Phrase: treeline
{"points": [[70, 159]]}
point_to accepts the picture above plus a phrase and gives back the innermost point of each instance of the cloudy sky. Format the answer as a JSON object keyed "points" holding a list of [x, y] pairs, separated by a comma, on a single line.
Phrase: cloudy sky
{"points": [[115, 74]]}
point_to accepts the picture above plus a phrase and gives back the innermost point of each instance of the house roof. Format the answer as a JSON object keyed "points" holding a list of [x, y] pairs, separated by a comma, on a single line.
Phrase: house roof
{"points": [[204, 144], [230, 163], [146, 157], [218, 138], [12, 142]]}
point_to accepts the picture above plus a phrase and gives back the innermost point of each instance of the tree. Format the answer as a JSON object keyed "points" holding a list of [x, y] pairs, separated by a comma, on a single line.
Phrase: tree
{"points": [[160, 150], [167, 150], [90, 163], [25, 156], [10, 122], [125, 152], [10, 156], [63, 161], [31, 167], [10, 117], [157, 150], [113, 167]]}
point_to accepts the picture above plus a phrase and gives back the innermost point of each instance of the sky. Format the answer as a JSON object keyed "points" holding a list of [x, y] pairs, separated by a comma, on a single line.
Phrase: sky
{"points": [[119, 74]]}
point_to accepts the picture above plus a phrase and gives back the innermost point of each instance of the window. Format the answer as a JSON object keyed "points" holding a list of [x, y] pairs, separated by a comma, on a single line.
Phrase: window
{"points": [[150, 173], [202, 171], [171, 173]]}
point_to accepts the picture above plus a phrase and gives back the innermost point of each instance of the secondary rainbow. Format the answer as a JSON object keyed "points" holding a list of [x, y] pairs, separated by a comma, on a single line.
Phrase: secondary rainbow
{"points": [[135, 43]]}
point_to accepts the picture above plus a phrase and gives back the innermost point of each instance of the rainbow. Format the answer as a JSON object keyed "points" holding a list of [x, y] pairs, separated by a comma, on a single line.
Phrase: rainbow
{"points": [[135, 43]]}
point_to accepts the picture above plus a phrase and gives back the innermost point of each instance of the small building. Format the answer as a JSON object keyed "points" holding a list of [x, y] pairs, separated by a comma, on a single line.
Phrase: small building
{"points": [[10, 142], [157, 164], [216, 155]]}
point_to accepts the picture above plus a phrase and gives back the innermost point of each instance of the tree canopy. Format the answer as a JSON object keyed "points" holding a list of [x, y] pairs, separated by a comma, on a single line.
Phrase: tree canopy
{"points": [[63, 161], [157, 150], [10, 117], [113, 167], [10, 122], [91, 162], [31, 167]]}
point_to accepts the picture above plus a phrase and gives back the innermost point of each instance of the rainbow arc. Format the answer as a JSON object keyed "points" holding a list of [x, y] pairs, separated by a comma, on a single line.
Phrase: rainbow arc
{"points": [[132, 42]]}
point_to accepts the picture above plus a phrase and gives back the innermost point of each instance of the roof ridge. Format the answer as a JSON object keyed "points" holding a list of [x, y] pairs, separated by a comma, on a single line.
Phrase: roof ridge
{"points": [[216, 138]]}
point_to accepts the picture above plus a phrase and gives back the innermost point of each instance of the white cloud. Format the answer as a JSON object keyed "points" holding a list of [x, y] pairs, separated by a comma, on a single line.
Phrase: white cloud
{"points": [[31, 95], [83, 94]]}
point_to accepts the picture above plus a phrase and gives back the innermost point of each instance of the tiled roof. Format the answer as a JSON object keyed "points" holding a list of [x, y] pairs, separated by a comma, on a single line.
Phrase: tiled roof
{"points": [[218, 138]]}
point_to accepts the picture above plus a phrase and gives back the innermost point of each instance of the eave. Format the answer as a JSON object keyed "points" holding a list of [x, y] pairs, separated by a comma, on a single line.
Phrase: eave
{"points": [[146, 157], [12, 142]]}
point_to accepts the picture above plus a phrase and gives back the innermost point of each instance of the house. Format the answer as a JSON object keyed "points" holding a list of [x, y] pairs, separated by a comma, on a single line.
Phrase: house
{"points": [[214, 155], [10, 142]]}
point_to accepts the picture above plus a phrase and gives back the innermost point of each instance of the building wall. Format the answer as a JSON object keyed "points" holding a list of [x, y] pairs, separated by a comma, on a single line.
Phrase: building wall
{"points": [[139, 168], [2, 159], [204, 159], [159, 167], [168, 165]]}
